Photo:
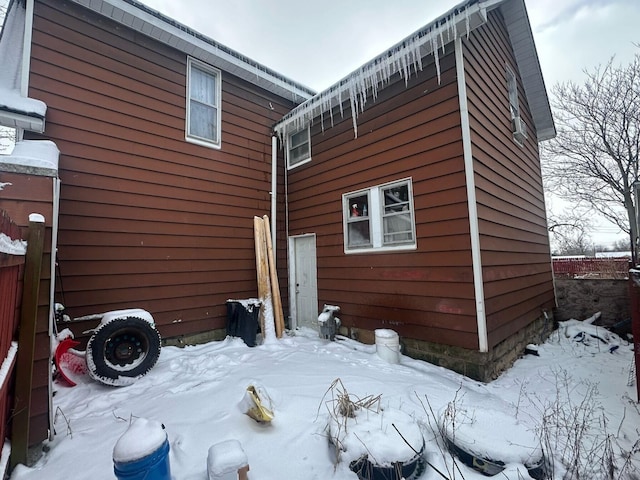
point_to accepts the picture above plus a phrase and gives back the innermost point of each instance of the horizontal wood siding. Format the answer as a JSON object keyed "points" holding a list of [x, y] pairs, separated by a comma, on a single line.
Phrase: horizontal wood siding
{"points": [[514, 241], [25, 194], [147, 219], [412, 131]]}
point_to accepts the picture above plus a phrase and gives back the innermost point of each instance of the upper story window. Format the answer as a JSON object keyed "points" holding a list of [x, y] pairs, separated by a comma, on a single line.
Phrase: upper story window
{"points": [[512, 85], [298, 147], [518, 127], [203, 104], [379, 218]]}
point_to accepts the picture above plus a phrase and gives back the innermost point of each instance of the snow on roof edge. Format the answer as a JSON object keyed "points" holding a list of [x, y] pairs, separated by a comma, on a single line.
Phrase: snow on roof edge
{"points": [[367, 78], [12, 102], [33, 154], [402, 58]]}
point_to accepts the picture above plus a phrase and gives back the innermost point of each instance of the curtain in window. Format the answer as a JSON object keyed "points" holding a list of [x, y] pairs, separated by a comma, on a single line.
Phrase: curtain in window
{"points": [[203, 113]]}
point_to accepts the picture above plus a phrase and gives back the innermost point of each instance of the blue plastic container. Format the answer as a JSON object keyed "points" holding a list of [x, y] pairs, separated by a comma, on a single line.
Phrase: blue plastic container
{"points": [[154, 466]]}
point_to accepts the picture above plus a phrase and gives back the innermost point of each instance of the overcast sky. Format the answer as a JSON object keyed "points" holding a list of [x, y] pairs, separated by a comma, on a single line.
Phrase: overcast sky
{"points": [[318, 42]]}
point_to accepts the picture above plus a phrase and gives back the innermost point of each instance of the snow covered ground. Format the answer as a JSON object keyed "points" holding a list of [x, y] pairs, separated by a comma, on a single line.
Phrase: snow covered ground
{"points": [[575, 396]]}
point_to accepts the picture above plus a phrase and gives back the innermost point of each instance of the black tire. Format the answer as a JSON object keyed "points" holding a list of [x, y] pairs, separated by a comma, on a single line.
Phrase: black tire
{"points": [[122, 350]]}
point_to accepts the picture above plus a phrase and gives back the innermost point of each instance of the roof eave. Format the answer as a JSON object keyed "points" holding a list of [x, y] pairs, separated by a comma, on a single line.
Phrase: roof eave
{"points": [[153, 24], [25, 121], [524, 48], [431, 36]]}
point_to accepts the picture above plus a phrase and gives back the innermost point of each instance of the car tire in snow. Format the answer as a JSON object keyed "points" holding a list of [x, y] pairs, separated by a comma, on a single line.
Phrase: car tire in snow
{"points": [[122, 350]]}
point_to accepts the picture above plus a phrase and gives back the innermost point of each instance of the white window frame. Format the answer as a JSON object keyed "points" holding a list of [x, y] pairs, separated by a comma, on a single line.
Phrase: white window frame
{"points": [[512, 86], [518, 126], [375, 215], [189, 137], [291, 146]]}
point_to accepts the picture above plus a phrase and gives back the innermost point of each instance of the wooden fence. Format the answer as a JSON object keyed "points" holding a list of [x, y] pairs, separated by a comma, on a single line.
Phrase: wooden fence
{"points": [[591, 267], [11, 274]]}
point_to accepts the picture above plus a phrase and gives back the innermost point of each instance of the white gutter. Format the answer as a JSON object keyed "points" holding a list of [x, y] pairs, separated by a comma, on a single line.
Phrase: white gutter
{"points": [[26, 50], [274, 190], [474, 229]]}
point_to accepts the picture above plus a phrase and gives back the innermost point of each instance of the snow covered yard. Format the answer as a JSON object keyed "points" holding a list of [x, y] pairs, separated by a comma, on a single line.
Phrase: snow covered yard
{"points": [[575, 395]]}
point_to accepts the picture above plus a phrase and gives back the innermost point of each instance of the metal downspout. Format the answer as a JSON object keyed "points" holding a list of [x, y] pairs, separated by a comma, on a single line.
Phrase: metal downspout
{"points": [[474, 229], [274, 190]]}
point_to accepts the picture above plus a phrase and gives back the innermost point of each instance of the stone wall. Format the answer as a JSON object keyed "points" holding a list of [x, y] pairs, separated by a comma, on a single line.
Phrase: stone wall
{"points": [[581, 298]]}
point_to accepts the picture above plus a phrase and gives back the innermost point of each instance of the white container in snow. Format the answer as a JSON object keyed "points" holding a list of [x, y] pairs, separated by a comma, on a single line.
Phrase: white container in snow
{"points": [[388, 345], [227, 461]]}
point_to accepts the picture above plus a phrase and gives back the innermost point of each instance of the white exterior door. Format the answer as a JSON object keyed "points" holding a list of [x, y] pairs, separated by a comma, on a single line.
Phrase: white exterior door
{"points": [[304, 281]]}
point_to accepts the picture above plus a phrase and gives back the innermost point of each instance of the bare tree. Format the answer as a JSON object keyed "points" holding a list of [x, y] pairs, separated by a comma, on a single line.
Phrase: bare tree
{"points": [[569, 233], [593, 161]]}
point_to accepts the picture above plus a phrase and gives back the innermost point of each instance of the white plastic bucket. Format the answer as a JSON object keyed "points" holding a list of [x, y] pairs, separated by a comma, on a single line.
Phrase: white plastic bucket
{"points": [[388, 345]]}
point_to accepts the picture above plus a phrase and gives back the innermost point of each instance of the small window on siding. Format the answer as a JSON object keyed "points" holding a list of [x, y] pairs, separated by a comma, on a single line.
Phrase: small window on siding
{"points": [[203, 104], [518, 127], [512, 85], [397, 215], [298, 147], [358, 223], [379, 218]]}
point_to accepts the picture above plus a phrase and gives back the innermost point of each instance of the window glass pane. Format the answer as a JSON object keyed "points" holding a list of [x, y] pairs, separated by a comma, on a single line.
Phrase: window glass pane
{"points": [[397, 228], [358, 234], [397, 222], [396, 198], [358, 225], [202, 86], [299, 138], [358, 206], [298, 145], [298, 154], [203, 121], [513, 93]]}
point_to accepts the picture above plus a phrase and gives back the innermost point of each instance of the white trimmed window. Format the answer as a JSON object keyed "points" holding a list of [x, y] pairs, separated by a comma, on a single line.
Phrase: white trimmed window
{"points": [[203, 104], [379, 218], [298, 147], [518, 127], [512, 85]]}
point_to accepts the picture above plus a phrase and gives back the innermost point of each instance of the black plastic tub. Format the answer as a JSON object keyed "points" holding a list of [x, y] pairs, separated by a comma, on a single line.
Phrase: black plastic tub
{"points": [[409, 470]]}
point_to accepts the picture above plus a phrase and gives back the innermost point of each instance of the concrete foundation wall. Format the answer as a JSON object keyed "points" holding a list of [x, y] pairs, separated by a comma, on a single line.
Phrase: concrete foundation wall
{"points": [[471, 363], [581, 298]]}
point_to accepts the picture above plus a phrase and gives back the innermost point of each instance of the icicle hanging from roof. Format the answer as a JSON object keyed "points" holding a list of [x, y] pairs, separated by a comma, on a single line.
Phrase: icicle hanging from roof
{"points": [[402, 59]]}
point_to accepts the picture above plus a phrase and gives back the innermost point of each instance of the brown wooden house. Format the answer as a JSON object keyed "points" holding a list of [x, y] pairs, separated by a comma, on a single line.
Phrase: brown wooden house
{"points": [[409, 193]]}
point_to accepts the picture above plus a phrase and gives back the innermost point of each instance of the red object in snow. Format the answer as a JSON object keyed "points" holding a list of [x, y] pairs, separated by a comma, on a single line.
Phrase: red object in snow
{"points": [[69, 361]]}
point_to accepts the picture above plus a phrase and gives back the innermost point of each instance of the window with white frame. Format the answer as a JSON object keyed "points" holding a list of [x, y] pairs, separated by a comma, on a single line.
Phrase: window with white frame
{"points": [[379, 218], [298, 147], [518, 127], [203, 104], [512, 85]]}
